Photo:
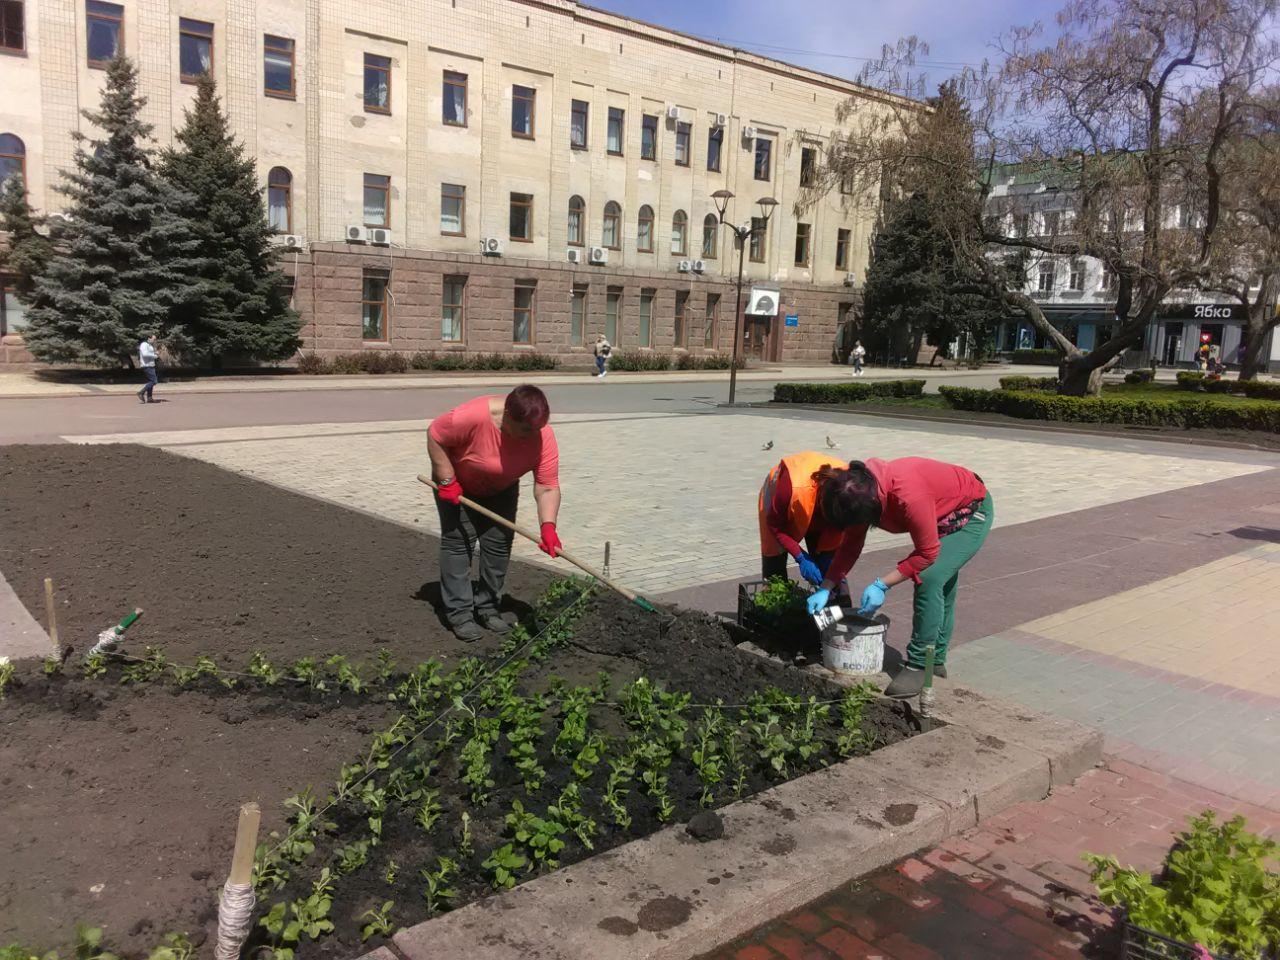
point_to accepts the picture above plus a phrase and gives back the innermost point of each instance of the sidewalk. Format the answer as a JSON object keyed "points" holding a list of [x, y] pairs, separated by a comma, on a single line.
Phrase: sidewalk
{"points": [[26, 385]]}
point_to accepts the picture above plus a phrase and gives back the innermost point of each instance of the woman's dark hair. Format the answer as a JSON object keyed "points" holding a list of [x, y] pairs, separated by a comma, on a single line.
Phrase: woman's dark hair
{"points": [[850, 497], [528, 405]]}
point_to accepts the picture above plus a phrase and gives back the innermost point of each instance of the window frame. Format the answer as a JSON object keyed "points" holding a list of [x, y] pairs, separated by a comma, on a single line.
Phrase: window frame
{"points": [[680, 321], [843, 241], [808, 171], [767, 144], [761, 233], [641, 220], [21, 29], [268, 46], [710, 230], [807, 234], [648, 296], [287, 187], [21, 156], [685, 131], [187, 27], [450, 79], [532, 287], [1046, 269], [616, 122], [649, 124], [711, 321], [385, 190], [579, 108], [527, 205], [459, 280], [578, 294], [461, 197], [383, 305], [102, 16], [532, 101], [613, 302], [376, 67], [682, 218], [578, 212], [1075, 276], [613, 216], [715, 135]]}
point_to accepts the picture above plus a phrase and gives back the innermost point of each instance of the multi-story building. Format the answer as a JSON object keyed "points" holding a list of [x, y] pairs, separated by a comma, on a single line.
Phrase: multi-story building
{"points": [[1078, 295], [486, 175]]}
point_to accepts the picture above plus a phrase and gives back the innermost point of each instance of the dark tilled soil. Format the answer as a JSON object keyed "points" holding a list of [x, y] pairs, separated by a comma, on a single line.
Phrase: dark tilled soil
{"points": [[119, 802]]}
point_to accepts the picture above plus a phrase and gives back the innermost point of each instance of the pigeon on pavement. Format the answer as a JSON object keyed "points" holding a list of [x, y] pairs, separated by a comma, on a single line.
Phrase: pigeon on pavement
{"points": [[831, 444], [768, 446]]}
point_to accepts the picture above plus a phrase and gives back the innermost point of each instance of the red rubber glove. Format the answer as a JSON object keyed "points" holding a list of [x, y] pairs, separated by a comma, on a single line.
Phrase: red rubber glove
{"points": [[550, 544], [451, 491]]}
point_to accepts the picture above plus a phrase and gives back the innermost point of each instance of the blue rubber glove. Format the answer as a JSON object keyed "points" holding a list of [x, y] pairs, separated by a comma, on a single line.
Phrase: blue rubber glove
{"points": [[808, 569], [818, 601], [872, 598]]}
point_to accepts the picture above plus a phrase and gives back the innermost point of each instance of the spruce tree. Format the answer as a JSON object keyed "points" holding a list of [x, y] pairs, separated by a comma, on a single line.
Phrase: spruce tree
{"points": [[243, 312], [125, 260], [29, 251]]}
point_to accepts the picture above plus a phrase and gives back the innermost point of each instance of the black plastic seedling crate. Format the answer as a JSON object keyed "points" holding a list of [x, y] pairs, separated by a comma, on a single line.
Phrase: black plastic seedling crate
{"points": [[1142, 944], [767, 627]]}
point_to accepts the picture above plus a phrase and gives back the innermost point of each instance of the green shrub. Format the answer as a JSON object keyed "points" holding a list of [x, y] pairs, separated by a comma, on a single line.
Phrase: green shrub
{"points": [[533, 361], [1136, 376], [422, 360], [383, 361], [1257, 389], [1175, 412], [487, 361], [1190, 379], [639, 360], [1217, 385], [706, 361], [845, 392], [430, 360], [312, 364], [346, 363], [1029, 383], [1043, 358]]}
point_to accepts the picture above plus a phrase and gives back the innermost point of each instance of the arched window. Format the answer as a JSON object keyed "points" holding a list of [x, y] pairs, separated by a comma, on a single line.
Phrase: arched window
{"points": [[612, 235], [280, 200], [644, 230], [13, 157], [576, 208], [680, 233], [710, 227]]}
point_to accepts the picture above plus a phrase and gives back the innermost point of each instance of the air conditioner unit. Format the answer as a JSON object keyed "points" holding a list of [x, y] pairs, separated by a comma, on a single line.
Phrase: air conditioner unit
{"points": [[748, 133], [699, 266], [491, 247], [684, 266], [380, 237], [598, 255], [290, 241], [673, 113], [763, 302], [574, 255], [357, 235], [721, 120], [850, 279]]}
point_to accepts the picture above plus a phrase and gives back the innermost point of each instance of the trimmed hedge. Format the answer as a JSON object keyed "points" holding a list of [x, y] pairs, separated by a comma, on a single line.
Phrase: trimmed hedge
{"points": [[1174, 412], [1253, 389], [1139, 376], [845, 392], [639, 360], [1257, 389], [1029, 383], [1189, 379], [1043, 358], [388, 361], [704, 361]]}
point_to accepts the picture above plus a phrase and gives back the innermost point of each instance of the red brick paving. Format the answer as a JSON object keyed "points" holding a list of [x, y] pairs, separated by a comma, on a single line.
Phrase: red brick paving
{"points": [[1015, 887]]}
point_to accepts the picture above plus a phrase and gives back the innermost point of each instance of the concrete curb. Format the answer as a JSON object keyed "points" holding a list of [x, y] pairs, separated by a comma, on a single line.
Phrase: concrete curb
{"points": [[667, 897]]}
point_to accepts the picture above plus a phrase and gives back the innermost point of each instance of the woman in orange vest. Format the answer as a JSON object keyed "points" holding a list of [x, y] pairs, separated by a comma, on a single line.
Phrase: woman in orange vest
{"points": [[789, 512]]}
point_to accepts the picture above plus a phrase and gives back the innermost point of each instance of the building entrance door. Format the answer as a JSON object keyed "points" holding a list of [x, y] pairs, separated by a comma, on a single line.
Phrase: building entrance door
{"points": [[1172, 344]]}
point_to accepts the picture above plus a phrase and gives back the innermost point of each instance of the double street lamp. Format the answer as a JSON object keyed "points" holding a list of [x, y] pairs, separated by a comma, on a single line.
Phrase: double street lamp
{"points": [[742, 235]]}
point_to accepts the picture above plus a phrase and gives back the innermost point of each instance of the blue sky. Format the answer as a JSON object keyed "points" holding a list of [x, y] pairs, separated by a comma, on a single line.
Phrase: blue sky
{"points": [[956, 31]]}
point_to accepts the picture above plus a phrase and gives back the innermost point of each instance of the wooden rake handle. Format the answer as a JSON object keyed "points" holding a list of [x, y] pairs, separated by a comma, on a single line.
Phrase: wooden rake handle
{"points": [[534, 538]]}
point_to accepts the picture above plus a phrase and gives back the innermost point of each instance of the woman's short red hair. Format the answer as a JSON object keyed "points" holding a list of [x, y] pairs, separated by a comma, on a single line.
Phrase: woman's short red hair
{"points": [[528, 405]]}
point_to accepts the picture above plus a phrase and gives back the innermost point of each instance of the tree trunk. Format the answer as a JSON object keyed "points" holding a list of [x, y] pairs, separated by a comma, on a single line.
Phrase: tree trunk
{"points": [[1255, 336], [1080, 377]]}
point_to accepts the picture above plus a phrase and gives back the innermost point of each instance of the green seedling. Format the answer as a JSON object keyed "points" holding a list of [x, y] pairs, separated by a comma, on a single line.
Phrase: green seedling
{"points": [[351, 857], [52, 668], [523, 738], [733, 760], [852, 738], [436, 890], [771, 746], [386, 665], [305, 670], [176, 946], [310, 918], [7, 672], [260, 667], [374, 799], [802, 733], [567, 811], [347, 778], [347, 677], [392, 871], [146, 669], [592, 752], [267, 872], [298, 844], [464, 841], [622, 771], [95, 665], [538, 837], [203, 667], [430, 812], [474, 757], [574, 708], [657, 788], [503, 864], [706, 755], [377, 922], [400, 785]]}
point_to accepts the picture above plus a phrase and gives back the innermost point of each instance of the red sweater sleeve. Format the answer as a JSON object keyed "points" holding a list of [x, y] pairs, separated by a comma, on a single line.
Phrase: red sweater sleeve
{"points": [[920, 516], [778, 512], [847, 553]]}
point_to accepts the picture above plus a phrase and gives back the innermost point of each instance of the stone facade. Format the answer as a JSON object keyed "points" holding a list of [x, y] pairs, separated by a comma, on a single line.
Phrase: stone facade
{"points": [[324, 134]]}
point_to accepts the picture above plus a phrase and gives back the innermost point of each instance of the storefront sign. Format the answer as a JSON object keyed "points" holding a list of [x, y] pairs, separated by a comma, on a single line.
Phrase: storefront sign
{"points": [[793, 320], [1204, 312]]}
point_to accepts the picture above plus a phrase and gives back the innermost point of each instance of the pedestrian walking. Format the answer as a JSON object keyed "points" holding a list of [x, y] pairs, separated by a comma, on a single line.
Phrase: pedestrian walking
{"points": [[147, 359], [602, 350], [856, 356], [482, 448]]}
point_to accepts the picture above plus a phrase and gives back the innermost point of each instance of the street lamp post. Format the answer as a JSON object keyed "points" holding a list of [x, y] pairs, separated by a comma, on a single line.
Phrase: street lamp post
{"points": [[742, 235]]}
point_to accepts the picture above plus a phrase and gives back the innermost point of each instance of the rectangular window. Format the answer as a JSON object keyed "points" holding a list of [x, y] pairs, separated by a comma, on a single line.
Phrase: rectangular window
{"points": [[522, 317], [373, 305], [454, 110], [12, 313], [377, 83], [521, 221], [1108, 279], [646, 317], [195, 49], [453, 210], [377, 200], [451, 309], [523, 104], [808, 166], [758, 239], [715, 145], [764, 158], [278, 67], [648, 137], [842, 249], [682, 309], [13, 31], [577, 314], [684, 132], [710, 320], [612, 314], [1075, 279], [1046, 278], [104, 25], [1051, 220], [617, 124], [579, 112], [802, 244]]}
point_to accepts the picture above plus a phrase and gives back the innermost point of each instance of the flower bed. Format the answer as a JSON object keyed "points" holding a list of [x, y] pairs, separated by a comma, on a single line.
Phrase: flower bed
{"points": [[845, 392]]}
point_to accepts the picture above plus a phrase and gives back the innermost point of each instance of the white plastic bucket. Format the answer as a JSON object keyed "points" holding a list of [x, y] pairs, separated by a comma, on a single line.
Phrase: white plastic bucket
{"points": [[854, 646]]}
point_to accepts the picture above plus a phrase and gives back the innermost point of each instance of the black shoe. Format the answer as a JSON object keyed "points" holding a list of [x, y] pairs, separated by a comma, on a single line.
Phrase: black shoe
{"points": [[907, 684], [940, 671], [497, 622], [468, 631], [142, 397]]}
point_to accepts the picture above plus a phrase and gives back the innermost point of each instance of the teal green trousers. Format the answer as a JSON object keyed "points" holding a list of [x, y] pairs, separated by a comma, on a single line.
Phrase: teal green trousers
{"points": [[935, 599]]}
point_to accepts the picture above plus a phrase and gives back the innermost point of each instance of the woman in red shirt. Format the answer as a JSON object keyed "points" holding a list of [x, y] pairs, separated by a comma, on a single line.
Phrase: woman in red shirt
{"points": [[482, 448], [948, 512]]}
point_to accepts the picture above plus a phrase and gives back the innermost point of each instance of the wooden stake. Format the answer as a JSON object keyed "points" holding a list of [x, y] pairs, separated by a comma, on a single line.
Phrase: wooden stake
{"points": [[51, 611], [246, 844]]}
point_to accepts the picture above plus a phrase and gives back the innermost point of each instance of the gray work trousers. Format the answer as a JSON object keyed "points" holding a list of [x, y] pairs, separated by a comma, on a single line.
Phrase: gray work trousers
{"points": [[461, 529]]}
